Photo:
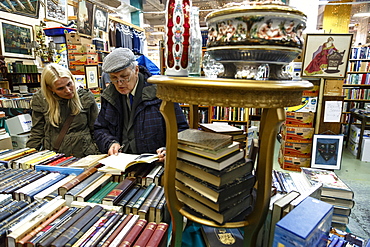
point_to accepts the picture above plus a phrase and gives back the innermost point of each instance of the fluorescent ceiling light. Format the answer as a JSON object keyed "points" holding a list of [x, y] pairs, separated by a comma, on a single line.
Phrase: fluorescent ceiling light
{"points": [[362, 14]]}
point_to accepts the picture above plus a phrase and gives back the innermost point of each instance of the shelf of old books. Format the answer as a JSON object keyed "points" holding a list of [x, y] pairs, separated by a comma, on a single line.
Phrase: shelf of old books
{"points": [[272, 96]]}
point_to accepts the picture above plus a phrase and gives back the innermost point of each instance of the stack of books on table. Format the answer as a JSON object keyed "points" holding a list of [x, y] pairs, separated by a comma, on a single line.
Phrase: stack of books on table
{"points": [[335, 192], [237, 134], [213, 177]]}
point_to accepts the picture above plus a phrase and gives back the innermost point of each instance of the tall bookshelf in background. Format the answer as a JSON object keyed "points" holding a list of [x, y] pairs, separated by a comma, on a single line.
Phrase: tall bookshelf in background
{"points": [[356, 87]]}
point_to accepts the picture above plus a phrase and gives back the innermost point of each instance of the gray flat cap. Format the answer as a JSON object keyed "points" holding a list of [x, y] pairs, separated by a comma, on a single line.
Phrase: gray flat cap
{"points": [[118, 60]]}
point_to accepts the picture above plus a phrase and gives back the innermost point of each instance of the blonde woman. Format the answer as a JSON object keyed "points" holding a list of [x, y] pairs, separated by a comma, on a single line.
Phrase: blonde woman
{"points": [[63, 116]]}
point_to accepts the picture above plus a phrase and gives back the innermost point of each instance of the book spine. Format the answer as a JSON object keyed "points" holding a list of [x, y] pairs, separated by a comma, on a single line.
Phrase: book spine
{"points": [[118, 239], [133, 234], [159, 210], [158, 235], [142, 198], [154, 205], [47, 241], [118, 191], [64, 188], [145, 235], [144, 208], [117, 231], [74, 228], [129, 195]]}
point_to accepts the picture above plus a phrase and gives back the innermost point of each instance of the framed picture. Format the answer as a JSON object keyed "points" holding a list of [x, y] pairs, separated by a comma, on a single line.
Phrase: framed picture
{"points": [[85, 18], [56, 11], [100, 20], [28, 8], [15, 39], [326, 55], [91, 76], [327, 151]]}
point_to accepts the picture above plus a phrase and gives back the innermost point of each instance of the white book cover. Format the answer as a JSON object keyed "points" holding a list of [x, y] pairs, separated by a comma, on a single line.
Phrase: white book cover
{"points": [[54, 187], [124, 230]]}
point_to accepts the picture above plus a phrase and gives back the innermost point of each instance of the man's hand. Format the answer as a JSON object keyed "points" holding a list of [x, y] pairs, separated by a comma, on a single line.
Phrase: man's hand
{"points": [[161, 154], [114, 149]]}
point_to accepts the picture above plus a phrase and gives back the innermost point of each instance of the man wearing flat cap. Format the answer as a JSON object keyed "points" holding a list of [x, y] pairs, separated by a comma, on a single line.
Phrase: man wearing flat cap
{"points": [[129, 120]]}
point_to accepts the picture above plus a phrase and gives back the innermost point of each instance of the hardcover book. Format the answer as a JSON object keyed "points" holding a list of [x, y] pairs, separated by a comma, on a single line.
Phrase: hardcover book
{"points": [[145, 235], [118, 229], [43, 194], [338, 201], [159, 236], [132, 201], [133, 234], [214, 177], [301, 228], [93, 188], [219, 217], [113, 197], [122, 161], [144, 208], [124, 231], [209, 153], [126, 198], [62, 190], [219, 237], [221, 128], [204, 139], [142, 198], [332, 185], [217, 194], [159, 210], [214, 164], [154, 204]]}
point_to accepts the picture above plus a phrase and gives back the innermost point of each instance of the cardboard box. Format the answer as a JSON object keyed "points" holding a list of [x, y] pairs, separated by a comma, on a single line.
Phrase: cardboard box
{"points": [[354, 133], [295, 149], [5, 142], [293, 163], [353, 147], [309, 104], [75, 39], [299, 119], [365, 150], [81, 59], [20, 141], [81, 49], [297, 134], [19, 124], [333, 87]]}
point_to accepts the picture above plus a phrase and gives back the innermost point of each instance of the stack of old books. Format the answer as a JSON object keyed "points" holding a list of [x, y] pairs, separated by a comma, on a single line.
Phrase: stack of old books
{"points": [[237, 134], [213, 177]]}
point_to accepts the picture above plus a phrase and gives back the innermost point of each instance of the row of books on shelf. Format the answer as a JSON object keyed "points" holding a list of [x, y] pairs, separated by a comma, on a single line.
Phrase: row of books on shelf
{"points": [[356, 93], [21, 102], [361, 52], [357, 79], [19, 67], [358, 66], [25, 78], [52, 223]]}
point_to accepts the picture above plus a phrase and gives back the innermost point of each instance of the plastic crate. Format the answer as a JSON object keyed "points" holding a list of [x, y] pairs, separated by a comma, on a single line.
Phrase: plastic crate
{"points": [[56, 31]]}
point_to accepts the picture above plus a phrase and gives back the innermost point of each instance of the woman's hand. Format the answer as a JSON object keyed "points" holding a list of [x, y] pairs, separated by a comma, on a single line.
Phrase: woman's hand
{"points": [[161, 154]]}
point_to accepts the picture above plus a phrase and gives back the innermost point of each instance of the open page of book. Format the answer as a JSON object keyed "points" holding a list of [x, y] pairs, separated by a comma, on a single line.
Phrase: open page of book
{"points": [[122, 161]]}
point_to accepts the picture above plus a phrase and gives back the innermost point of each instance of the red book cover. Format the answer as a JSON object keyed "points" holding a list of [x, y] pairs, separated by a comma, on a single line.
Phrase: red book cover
{"points": [[158, 236], [133, 234], [145, 235], [119, 191], [56, 162], [118, 230]]}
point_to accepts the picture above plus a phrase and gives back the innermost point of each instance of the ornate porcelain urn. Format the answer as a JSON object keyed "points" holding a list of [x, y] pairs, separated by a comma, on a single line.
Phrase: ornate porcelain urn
{"points": [[255, 40]]}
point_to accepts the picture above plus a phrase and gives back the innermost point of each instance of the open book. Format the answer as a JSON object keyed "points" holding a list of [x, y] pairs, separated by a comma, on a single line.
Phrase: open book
{"points": [[122, 161]]}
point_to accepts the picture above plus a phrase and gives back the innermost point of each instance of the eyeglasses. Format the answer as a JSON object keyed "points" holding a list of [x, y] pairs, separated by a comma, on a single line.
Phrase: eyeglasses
{"points": [[124, 80]]}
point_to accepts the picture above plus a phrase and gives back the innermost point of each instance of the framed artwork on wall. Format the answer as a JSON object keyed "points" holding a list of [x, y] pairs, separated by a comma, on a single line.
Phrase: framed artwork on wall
{"points": [[56, 11], [327, 151], [15, 39], [85, 18], [100, 20], [326, 55], [91, 76], [28, 8]]}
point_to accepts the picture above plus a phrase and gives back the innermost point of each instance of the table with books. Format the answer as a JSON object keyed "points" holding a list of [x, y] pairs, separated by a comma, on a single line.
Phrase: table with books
{"points": [[270, 95]]}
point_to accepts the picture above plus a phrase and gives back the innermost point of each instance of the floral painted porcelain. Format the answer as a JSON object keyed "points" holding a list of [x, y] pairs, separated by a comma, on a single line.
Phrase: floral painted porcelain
{"points": [[244, 36]]}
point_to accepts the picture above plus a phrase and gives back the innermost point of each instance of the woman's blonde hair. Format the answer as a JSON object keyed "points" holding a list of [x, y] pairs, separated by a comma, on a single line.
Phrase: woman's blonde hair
{"points": [[51, 73]]}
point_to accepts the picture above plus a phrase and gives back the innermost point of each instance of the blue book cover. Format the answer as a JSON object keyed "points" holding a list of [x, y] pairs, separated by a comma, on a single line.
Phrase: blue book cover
{"points": [[61, 169], [308, 224]]}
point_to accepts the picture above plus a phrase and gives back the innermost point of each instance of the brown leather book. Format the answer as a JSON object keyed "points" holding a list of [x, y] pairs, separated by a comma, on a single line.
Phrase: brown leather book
{"points": [[31, 234], [159, 236], [47, 241], [118, 230], [119, 191], [76, 227], [64, 188], [133, 234], [145, 235]]}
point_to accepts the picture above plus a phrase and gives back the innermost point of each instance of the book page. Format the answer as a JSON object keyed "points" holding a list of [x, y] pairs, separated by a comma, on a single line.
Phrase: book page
{"points": [[122, 161]]}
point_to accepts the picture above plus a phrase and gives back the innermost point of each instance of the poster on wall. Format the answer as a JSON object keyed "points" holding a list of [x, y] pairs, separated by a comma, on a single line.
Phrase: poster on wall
{"points": [[15, 39], [85, 18], [100, 21], [28, 8], [56, 10], [326, 55]]}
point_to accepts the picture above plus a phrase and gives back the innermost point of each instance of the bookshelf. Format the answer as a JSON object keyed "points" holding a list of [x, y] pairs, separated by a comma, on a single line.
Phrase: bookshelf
{"points": [[273, 95]]}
